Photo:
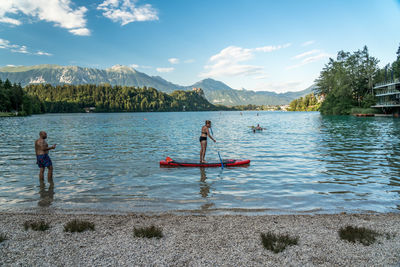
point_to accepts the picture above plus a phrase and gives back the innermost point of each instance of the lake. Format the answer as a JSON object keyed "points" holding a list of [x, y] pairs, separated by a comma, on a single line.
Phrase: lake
{"points": [[109, 163]]}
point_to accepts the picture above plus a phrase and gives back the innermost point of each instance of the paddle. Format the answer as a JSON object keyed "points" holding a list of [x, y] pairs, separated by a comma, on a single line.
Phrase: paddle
{"points": [[222, 164]]}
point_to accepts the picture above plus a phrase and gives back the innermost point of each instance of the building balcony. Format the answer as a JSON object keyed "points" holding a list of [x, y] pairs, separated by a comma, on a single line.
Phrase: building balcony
{"points": [[386, 84]]}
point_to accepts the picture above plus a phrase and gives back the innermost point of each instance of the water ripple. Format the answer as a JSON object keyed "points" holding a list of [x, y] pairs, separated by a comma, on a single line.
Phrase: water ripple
{"points": [[303, 162]]}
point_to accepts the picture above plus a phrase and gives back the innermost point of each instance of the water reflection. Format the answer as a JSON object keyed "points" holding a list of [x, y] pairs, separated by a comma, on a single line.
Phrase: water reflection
{"points": [[204, 186], [46, 196], [204, 189]]}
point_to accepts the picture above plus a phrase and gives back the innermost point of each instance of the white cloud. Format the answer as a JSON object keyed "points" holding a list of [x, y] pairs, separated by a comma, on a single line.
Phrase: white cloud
{"points": [[10, 21], [308, 43], [228, 61], [316, 57], [271, 48], [80, 31], [306, 54], [5, 44], [310, 59], [279, 87], [173, 60], [189, 61], [136, 66], [41, 53], [164, 69], [21, 49], [125, 11], [261, 77], [59, 12]]}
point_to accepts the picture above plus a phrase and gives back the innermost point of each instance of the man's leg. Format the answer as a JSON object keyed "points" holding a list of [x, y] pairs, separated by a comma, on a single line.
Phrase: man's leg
{"points": [[41, 174], [50, 174]]}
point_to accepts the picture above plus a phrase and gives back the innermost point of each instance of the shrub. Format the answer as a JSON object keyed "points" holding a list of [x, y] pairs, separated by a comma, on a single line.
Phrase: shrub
{"points": [[3, 237], [148, 232], [36, 225], [78, 226], [277, 243], [363, 235]]}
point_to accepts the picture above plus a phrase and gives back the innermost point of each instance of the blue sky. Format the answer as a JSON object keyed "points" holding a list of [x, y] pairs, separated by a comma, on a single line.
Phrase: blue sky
{"points": [[253, 44]]}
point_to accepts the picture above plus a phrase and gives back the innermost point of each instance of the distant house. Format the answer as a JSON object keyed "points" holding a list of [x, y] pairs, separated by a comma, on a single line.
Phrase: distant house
{"points": [[388, 95], [199, 91], [90, 109]]}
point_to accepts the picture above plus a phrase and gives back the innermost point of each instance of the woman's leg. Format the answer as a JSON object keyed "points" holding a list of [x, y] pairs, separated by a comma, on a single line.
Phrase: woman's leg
{"points": [[203, 150]]}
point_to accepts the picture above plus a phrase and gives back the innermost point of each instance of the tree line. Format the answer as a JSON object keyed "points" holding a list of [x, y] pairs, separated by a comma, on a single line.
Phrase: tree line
{"points": [[42, 98], [346, 82], [307, 103], [13, 98]]}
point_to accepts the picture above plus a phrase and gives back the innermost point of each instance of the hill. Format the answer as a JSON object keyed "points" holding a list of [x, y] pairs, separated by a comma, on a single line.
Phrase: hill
{"points": [[215, 91]]}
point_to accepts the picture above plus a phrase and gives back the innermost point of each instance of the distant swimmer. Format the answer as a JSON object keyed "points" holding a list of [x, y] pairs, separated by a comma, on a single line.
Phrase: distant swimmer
{"points": [[42, 157], [257, 128], [203, 140]]}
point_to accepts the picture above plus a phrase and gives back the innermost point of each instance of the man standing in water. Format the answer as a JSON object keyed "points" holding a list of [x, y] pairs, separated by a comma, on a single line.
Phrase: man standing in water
{"points": [[42, 157]]}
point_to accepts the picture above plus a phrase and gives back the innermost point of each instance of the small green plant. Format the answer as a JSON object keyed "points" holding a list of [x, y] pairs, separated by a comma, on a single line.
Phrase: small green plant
{"points": [[3, 237], [277, 243], [363, 235], [36, 225], [148, 232], [78, 226], [390, 236]]}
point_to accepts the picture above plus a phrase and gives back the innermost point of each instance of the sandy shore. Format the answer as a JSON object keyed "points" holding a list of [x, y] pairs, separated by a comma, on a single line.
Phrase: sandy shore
{"points": [[189, 240]]}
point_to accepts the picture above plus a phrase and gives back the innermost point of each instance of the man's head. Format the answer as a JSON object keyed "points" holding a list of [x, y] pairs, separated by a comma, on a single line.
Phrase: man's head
{"points": [[43, 135]]}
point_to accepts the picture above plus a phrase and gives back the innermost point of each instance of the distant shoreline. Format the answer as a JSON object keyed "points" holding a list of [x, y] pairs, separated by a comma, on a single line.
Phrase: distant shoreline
{"points": [[223, 240], [7, 114]]}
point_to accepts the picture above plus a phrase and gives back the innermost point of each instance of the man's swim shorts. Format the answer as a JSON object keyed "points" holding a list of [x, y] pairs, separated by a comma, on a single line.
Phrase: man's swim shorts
{"points": [[43, 161]]}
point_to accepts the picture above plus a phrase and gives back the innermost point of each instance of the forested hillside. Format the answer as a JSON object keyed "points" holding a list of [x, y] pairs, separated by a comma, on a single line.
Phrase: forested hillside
{"points": [[41, 98], [107, 98]]}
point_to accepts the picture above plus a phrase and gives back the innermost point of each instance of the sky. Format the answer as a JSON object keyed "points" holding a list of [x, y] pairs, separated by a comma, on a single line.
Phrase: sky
{"points": [[260, 45]]}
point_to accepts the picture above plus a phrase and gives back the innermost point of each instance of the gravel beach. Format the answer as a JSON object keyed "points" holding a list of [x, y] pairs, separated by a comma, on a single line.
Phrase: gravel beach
{"points": [[197, 240]]}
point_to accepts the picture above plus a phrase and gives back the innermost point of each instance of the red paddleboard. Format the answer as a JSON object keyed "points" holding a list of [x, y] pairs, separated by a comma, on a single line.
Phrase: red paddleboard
{"points": [[168, 162]]}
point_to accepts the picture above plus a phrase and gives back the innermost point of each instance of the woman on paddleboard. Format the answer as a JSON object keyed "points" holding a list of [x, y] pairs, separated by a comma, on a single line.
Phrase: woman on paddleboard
{"points": [[203, 140]]}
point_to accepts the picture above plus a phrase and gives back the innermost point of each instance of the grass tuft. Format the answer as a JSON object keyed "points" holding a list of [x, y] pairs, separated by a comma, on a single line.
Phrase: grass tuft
{"points": [[277, 243], [364, 111], [363, 235], [36, 225], [78, 226], [148, 232], [3, 237]]}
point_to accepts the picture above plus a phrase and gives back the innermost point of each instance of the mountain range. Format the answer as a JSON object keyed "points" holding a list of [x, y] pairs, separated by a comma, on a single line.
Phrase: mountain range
{"points": [[215, 91]]}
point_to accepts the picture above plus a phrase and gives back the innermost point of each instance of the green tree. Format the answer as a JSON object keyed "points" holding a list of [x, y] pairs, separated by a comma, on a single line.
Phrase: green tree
{"points": [[347, 81]]}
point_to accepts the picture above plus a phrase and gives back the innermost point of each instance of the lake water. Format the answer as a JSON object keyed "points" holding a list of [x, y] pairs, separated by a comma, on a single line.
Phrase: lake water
{"points": [[302, 163]]}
